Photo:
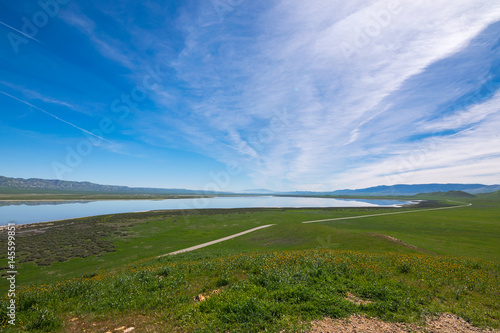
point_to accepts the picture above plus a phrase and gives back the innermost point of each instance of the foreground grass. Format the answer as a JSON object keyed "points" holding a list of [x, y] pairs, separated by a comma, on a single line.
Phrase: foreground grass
{"points": [[263, 291]]}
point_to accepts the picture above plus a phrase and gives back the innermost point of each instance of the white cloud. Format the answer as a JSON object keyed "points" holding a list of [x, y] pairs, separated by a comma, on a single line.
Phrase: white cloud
{"points": [[111, 48], [342, 70], [31, 94], [347, 92], [468, 117], [468, 156]]}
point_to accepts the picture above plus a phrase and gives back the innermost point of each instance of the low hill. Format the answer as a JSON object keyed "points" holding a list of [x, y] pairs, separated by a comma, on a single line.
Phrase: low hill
{"points": [[449, 194], [490, 196]]}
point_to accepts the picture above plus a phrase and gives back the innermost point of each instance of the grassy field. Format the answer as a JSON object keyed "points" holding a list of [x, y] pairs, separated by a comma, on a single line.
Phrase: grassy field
{"points": [[103, 271]]}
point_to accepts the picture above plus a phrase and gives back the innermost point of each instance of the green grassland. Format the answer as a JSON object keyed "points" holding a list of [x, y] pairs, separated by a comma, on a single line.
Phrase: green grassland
{"points": [[103, 271]]}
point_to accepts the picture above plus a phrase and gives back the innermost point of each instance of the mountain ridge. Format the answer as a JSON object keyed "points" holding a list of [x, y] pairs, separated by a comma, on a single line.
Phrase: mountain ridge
{"points": [[382, 190], [85, 186], [413, 189]]}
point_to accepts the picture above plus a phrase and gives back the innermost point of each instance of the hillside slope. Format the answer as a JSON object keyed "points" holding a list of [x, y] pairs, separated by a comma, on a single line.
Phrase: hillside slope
{"points": [[63, 185], [447, 195]]}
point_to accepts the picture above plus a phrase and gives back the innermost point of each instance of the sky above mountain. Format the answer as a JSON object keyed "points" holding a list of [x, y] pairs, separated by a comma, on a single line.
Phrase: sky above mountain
{"points": [[235, 94]]}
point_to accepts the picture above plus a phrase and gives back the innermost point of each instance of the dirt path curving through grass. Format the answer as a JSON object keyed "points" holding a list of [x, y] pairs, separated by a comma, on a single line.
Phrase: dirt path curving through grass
{"points": [[196, 247], [381, 214]]}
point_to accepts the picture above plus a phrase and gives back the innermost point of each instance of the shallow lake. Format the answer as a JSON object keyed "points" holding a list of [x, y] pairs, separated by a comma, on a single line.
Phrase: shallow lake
{"points": [[22, 212]]}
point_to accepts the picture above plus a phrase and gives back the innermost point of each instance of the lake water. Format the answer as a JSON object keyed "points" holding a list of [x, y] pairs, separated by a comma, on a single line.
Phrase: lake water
{"points": [[43, 211]]}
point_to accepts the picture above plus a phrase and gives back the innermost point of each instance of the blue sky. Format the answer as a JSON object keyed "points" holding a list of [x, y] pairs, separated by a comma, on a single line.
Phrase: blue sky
{"points": [[236, 94]]}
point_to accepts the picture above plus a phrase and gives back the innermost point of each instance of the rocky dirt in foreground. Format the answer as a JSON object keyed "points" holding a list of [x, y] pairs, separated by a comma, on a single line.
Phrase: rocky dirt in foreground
{"points": [[446, 323]]}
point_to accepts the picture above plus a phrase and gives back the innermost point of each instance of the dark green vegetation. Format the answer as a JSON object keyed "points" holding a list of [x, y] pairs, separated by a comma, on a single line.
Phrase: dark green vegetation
{"points": [[47, 243], [277, 278]]}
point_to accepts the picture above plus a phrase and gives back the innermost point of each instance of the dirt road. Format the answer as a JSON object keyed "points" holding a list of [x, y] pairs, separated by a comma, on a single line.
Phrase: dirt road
{"points": [[381, 214], [196, 247]]}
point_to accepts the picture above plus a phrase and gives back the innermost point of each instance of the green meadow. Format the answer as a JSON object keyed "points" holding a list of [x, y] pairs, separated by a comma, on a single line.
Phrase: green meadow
{"points": [[99, 273]]}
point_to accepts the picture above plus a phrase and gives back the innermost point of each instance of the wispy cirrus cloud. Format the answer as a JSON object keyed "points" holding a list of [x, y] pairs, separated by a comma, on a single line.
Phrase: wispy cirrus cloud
{"points": [[20, 32], [55, 117], [351, 110], [476, 114], [31, 94], [109, 47], [374, 93]]}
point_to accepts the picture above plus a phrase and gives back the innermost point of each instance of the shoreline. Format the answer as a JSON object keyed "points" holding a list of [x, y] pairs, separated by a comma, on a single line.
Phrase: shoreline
{"points": [[29, 224], [99, 199]]}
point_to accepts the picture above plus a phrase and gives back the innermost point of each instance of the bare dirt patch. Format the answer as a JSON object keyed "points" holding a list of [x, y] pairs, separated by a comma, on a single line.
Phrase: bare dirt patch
{"points": [[445, 323], [356, 300], [400, 243], [131, 323]]}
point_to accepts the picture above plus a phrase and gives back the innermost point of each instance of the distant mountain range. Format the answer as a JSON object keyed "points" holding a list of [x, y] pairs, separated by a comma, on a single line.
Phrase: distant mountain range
{"points": [[404, 189], [37, 184], [259, 191]]}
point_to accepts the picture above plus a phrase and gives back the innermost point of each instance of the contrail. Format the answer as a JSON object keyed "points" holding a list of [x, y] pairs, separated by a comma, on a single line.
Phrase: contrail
{"points": [[50, 114], [22, 33]]}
